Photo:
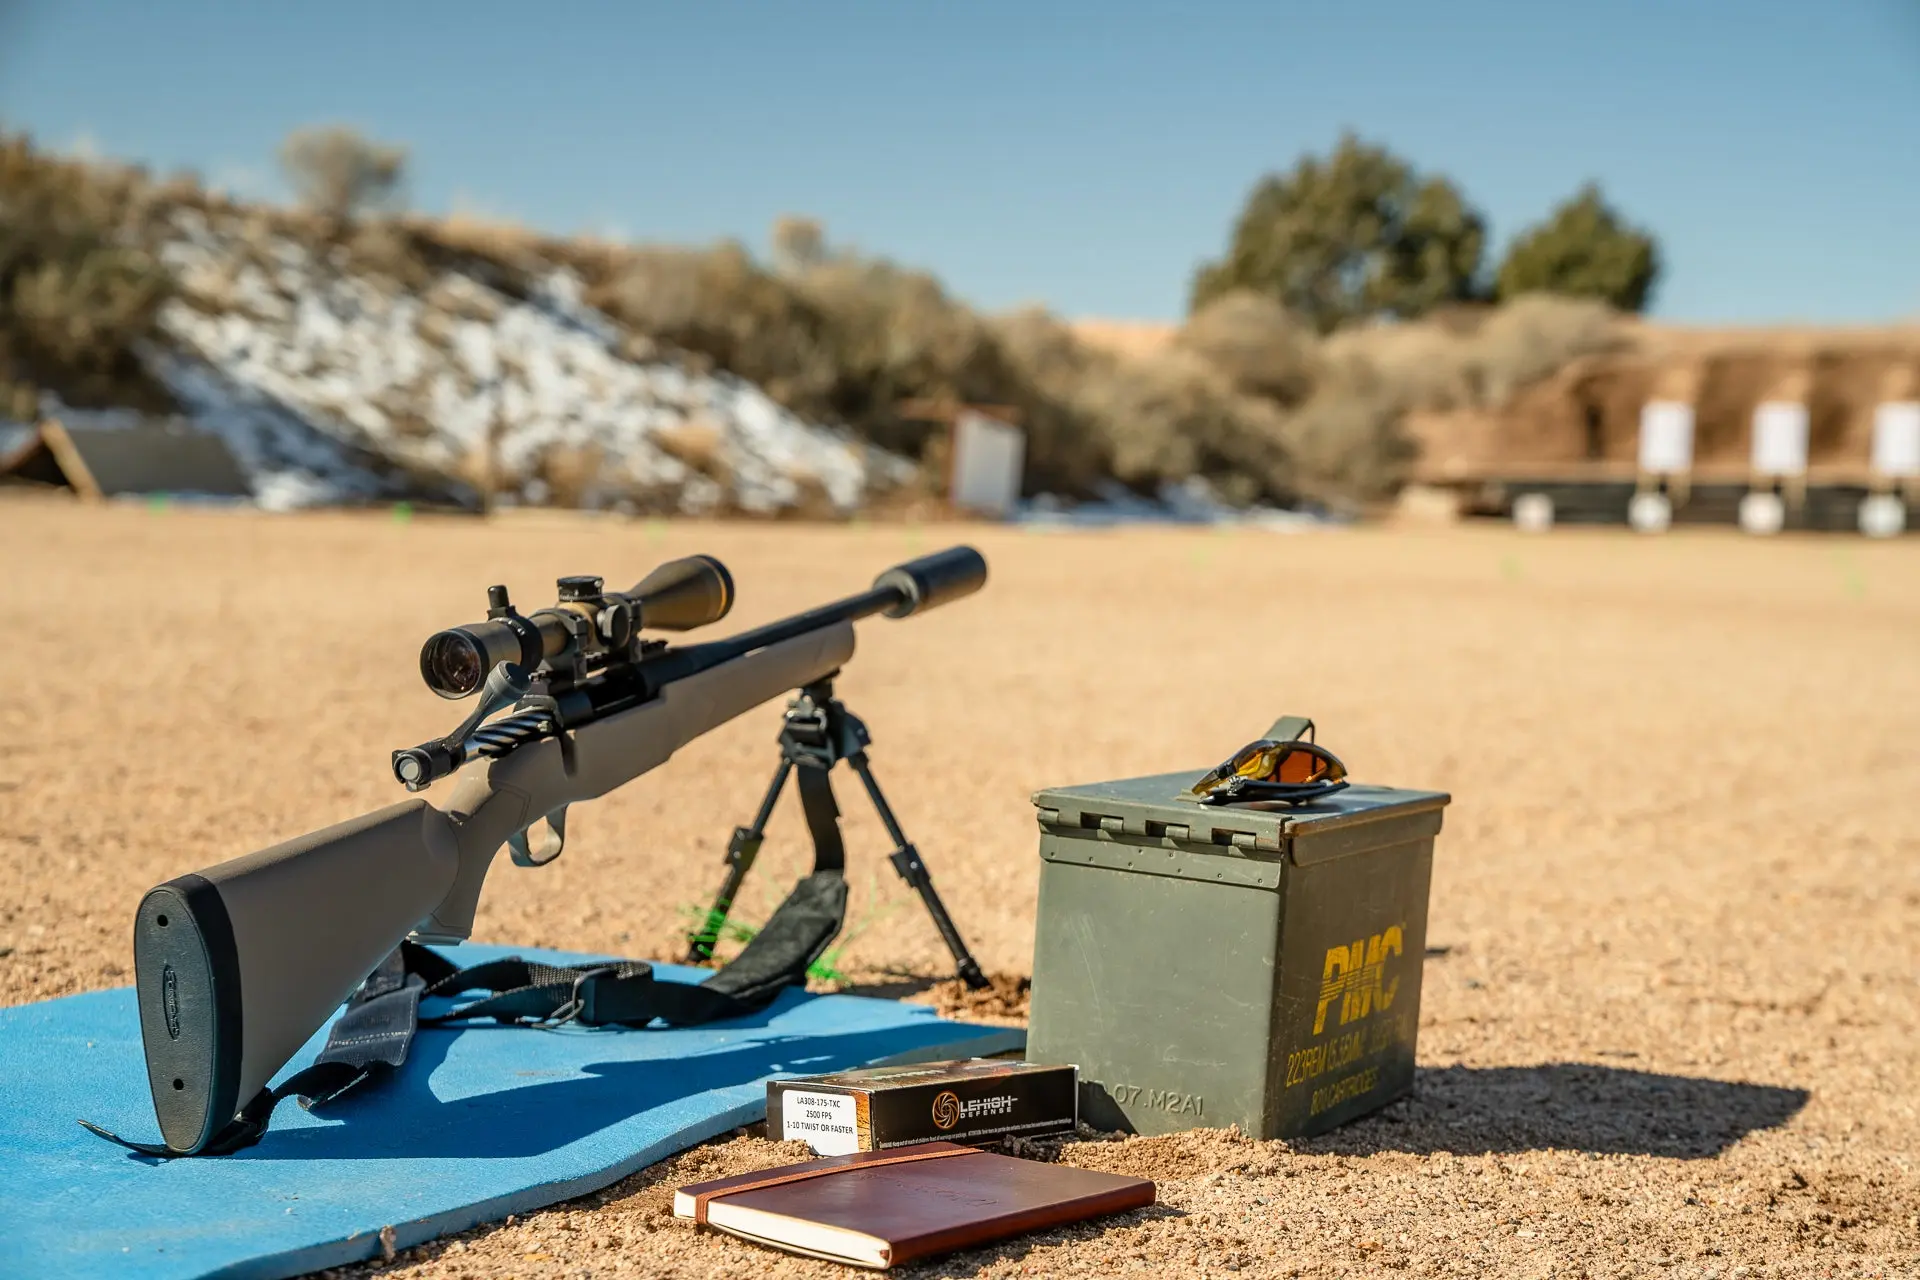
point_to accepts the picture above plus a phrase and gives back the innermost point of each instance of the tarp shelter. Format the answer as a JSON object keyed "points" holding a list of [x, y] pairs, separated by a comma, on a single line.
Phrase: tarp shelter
{"points": [[105, 462]]}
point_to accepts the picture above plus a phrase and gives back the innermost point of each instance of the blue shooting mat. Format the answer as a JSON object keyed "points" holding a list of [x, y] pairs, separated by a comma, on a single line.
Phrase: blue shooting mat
{"points": [[481, 1122]]}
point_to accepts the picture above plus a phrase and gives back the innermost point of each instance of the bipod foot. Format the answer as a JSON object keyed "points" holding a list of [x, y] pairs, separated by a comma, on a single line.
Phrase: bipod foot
{"points": [[906, 860]]}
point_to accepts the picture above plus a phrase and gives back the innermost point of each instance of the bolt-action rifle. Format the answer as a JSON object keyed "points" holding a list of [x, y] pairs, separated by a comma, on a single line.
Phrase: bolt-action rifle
{"points": [[239, 964]]}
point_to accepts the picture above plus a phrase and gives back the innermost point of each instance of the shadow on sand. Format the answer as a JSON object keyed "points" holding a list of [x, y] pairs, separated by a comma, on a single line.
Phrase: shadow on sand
{"points": [[1567, 1106], [891, 987]]}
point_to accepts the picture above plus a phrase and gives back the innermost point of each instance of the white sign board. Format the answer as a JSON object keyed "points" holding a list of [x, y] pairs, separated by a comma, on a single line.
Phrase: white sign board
{"points": [[988, 458], [1780, 438], [1896, 438], [1666, 437]]}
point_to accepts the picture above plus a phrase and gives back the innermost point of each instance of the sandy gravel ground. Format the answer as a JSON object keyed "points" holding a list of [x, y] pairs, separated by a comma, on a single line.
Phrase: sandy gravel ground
{"points": [[1671, 1026]]}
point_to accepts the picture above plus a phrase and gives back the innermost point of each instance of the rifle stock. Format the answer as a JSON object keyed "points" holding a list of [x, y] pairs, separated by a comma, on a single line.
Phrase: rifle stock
{"points": [[306, 921]]}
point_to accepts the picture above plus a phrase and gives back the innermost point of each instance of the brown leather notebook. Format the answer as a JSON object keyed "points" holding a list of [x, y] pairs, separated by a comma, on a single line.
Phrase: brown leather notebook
{"points": [[879, 1208]]}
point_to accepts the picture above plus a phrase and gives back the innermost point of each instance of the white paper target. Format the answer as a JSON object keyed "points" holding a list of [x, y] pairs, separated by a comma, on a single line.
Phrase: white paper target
{"points": [[1780, 438], [988, 457], [1896, 438], [1666, 437]]}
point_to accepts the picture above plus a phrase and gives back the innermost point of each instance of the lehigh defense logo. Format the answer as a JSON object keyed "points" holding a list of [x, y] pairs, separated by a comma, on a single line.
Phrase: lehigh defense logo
{"points": [[948, 1110], [1355, 975]]}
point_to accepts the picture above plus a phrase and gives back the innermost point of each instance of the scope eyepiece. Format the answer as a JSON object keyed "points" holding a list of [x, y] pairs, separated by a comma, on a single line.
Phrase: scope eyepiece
{"points": [[455, 663], [452, 665]]}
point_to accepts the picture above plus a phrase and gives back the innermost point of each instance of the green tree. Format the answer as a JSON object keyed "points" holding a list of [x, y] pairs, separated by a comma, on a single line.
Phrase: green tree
{"points": [[1584, 249], [1353, 236]]}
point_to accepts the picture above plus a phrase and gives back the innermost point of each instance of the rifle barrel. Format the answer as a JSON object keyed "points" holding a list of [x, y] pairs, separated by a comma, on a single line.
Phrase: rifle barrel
{"points": [[905, 589]]}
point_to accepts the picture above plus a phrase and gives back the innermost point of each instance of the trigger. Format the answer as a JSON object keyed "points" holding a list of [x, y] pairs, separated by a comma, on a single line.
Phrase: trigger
{"points": [[553, 839]]}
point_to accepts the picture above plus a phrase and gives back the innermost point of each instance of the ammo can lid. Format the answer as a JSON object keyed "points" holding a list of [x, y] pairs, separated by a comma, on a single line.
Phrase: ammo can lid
{"points": [[1163, 807]]}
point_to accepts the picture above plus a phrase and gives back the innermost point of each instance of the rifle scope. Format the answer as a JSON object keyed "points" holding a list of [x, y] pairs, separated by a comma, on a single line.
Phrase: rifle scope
{"points": [[678, 596]]}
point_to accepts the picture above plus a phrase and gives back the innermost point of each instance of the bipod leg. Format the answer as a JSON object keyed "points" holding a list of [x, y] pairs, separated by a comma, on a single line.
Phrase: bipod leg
{"points": [[741, 851], [907, 861]]}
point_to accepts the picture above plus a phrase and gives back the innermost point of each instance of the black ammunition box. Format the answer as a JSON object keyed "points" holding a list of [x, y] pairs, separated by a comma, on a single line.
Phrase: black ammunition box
{"points": [[972, 1100]]}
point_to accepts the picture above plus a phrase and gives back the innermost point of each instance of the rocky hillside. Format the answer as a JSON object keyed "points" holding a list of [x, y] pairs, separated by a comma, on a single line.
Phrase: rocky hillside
{"points": [[333, 384]]}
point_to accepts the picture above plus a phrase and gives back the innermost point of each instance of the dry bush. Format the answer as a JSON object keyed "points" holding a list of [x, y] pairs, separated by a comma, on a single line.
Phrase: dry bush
{"points": [[1147, 421], [1442, 365], [1537, 334], [391, 252], [893, 334], [1347, 397], [798, 242], [718, 303], [1252, 340], [510, 248], [837, 336], [338, 173], [844, 340], [1349, 445], [1415, 365], [77, 296]]}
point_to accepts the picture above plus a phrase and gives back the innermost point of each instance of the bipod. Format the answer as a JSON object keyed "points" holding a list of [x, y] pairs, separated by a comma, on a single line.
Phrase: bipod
{"points": [[818, 733]]}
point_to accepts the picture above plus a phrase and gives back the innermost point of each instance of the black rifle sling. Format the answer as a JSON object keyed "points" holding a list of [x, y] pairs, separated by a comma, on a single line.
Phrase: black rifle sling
{"points": [[370, 1038], [823, 816]]}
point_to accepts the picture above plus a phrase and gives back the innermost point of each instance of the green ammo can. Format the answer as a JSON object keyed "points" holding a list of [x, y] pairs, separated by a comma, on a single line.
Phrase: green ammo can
{"points": [[1248, 964]]}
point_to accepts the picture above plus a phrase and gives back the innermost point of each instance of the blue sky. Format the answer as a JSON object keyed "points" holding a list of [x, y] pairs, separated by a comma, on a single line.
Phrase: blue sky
{"points": [[1083, 155]]}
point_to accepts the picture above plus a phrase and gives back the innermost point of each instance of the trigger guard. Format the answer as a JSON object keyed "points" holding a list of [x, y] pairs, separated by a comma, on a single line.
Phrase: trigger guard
{"points": [[553, 840]]}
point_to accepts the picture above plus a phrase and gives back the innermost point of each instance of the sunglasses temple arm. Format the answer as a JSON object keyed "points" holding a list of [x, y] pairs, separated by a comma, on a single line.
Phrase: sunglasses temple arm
{"points": [[1291, 729]]}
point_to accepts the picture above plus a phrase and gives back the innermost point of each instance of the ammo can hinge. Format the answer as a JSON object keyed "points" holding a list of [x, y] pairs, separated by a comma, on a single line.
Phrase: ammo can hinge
{"points": [[1153, 829]]}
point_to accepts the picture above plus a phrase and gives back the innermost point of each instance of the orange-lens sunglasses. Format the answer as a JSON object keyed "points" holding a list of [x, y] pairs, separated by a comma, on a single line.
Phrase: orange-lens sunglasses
{"points": [[1292, 772]]}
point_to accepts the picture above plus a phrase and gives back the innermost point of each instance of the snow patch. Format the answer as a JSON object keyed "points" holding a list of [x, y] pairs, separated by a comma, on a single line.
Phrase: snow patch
{"points": [[1190, 502]]}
